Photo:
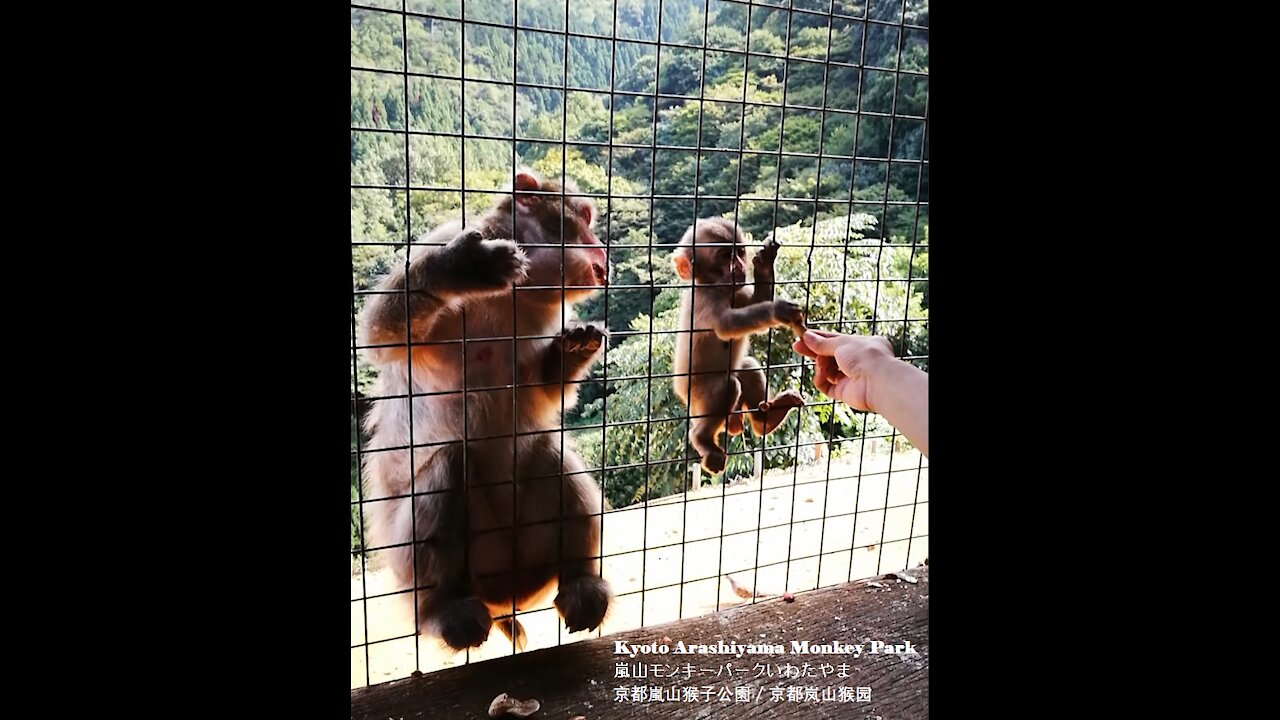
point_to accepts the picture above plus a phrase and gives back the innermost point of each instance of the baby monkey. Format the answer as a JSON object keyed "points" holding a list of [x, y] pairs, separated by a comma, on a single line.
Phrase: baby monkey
{"points": [[728, 312]]}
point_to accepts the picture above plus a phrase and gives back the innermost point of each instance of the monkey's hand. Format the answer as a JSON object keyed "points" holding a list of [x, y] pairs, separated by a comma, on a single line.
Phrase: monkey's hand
{"points": [[582, 339], [789, 314], [577, 345], [763, 261], [475, 265]]}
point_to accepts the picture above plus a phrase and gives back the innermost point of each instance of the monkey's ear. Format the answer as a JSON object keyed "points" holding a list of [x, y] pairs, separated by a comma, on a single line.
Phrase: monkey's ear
{"points": [[526, 182], [684, 268]]}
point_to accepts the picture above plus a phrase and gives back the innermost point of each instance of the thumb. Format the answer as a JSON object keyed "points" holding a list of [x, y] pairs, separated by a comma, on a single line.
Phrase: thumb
{"points": [[824, 345]]}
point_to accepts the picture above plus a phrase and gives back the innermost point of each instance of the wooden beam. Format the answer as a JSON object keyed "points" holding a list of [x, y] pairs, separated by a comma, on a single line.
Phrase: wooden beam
{"points": [[579, 678]]}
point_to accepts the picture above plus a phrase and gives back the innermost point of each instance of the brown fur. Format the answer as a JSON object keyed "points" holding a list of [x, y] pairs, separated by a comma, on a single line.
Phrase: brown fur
{"points": [[712, 255], [468, 562]]}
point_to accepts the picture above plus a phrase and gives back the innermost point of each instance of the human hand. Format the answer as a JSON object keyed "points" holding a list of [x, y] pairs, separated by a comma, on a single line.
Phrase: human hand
{"points": [[843, 364]]}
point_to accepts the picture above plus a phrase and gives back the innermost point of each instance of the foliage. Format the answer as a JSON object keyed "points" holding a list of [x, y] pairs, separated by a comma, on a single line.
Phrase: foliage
{"points": [[865, 207]]}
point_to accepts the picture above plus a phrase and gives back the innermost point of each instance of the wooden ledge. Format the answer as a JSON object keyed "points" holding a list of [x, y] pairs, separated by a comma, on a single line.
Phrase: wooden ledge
{"points": [[579, 679]]}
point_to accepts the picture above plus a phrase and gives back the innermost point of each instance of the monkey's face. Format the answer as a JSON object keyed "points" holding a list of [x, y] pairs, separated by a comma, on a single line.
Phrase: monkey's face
{"points": [[558, 238], [582, 256], [726, 264], [712, 253]]}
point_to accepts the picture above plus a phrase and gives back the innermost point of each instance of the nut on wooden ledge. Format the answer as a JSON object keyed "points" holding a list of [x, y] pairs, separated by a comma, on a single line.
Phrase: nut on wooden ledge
{"points": [[505, 704]]}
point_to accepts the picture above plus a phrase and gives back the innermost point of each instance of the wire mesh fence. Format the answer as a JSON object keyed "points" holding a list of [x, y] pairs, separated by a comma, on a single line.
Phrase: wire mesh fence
{"points": [[803, 122]]}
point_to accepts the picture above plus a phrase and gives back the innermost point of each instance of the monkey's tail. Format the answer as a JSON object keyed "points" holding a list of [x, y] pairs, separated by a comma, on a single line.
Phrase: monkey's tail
{"points": [[514, 631], [744, 592]]}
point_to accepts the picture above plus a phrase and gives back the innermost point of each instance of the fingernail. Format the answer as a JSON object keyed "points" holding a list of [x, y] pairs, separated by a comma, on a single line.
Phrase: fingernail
{"points": [[811, 336]]}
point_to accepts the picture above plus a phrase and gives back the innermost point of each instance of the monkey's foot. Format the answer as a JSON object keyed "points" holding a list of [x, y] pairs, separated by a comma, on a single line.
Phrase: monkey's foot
{"points": [[514, 631], [775, 411], [464, 623], [583, 601], [714, 462]]}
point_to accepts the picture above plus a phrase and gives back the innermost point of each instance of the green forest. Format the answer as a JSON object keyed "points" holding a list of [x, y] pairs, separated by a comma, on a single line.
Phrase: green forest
{"points": [[846, 97]]}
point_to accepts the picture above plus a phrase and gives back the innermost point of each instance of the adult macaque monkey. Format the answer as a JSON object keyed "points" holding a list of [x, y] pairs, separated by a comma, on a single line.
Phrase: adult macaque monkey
{"points": [[725, 313], [470, 563]]}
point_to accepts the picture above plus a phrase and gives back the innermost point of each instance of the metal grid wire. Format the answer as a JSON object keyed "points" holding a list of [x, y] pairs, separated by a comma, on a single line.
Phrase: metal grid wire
{"points": [[867, 226]]}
